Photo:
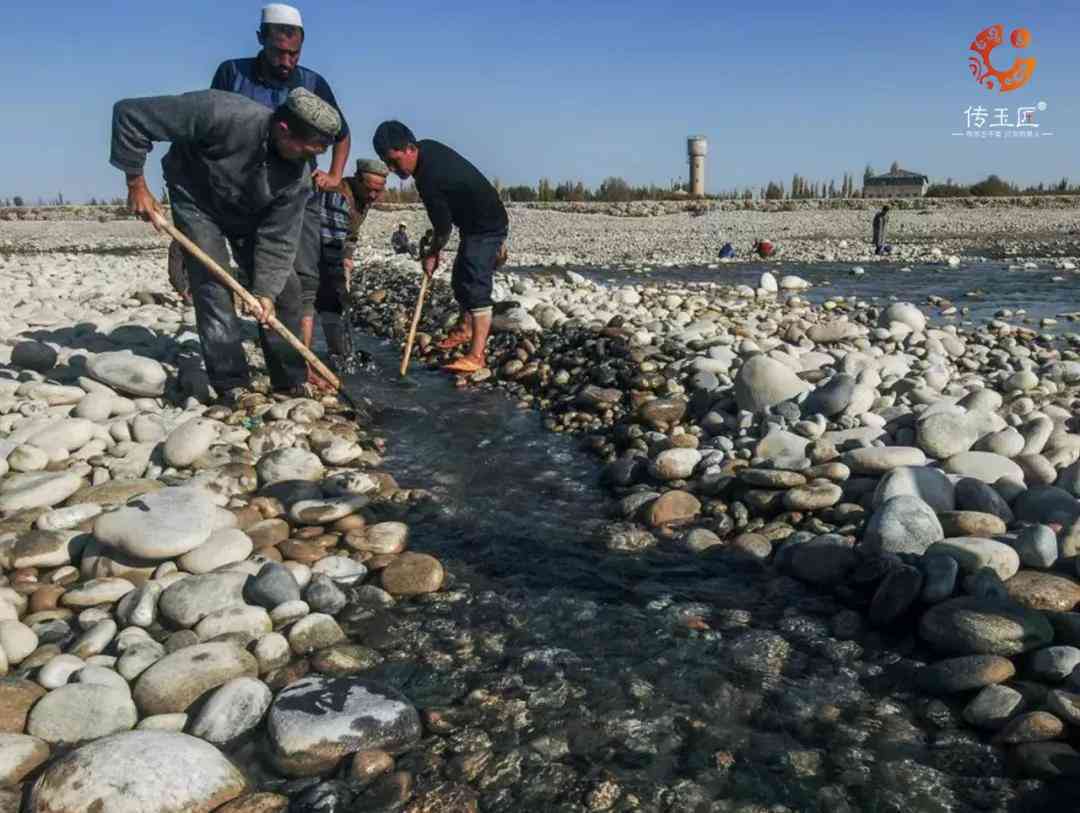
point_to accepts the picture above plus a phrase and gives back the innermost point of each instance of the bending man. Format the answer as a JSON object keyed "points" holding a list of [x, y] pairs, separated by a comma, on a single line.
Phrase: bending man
{"points": [[344, 211], [455, 193], [237, 172]]}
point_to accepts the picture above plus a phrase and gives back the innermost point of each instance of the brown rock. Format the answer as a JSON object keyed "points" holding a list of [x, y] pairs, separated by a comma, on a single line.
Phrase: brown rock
{"points": [[673, 508], [114, 492], [45, 597], [353, 522], [413, 574], [1044, 591], [247, 516], [269, 507], [445, 798], [965, 673], [971, 523], [1035, 726], [306, 552], [16, 697], [367, 766]]}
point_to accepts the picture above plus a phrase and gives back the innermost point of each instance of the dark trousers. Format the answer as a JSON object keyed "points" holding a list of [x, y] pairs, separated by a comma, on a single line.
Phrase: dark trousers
{"points": [[474, 268], [308, 251], [218, 325]]}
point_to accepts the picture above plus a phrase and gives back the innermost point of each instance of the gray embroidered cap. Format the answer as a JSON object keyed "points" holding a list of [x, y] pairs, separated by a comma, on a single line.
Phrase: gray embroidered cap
{"points": [[314, 112], [371, 166]]}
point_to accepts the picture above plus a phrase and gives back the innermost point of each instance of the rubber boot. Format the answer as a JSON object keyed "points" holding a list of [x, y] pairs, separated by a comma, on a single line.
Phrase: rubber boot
{"points": [[334, 332]]}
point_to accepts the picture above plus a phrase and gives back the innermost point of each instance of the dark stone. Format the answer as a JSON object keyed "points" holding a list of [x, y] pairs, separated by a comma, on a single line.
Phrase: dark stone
{"points": [[323, 596], [273, 585], [896, 595]]}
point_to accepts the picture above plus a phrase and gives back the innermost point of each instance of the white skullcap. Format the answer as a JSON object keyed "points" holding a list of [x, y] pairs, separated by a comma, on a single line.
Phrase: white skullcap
{"points": [[281, 14]]}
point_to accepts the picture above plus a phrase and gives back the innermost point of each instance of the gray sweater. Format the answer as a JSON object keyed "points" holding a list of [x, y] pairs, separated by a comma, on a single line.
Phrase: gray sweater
{"points": [[222, 156]]}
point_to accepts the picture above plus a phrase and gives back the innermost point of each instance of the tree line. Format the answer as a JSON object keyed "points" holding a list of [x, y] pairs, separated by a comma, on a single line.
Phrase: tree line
{"points": [[618, 190]]}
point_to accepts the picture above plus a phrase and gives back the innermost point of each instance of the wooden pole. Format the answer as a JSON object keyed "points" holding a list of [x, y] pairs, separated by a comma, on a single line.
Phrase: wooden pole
{"points": [[227, 279], [415, 322]]}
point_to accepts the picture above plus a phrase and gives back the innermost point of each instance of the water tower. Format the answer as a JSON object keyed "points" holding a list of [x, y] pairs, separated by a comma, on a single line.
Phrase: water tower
{"points": [[696, 149]]}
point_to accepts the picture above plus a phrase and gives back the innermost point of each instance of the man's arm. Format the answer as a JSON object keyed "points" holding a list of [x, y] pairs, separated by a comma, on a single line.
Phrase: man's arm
{"points": [[137, 124], [340, 153]]}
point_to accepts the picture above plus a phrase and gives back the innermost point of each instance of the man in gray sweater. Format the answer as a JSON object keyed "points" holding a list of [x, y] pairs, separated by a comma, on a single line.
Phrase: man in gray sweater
{"points": [[237, 171]]}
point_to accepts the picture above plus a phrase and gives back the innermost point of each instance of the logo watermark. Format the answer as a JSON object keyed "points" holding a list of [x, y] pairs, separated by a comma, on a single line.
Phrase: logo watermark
{"points": [[982, 68]]}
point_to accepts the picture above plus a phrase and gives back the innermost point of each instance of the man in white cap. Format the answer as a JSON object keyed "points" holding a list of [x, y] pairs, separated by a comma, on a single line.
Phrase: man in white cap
{"points": [[268, 78]]}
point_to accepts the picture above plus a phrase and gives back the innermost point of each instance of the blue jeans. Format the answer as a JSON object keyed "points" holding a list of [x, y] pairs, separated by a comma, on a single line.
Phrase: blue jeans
{"points": [[218, 325]]}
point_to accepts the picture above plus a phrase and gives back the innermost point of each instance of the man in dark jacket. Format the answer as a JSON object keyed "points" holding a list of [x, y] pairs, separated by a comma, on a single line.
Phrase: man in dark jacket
{"points": [[455, 193], [267, 79], [881, 223], [237, 172]]}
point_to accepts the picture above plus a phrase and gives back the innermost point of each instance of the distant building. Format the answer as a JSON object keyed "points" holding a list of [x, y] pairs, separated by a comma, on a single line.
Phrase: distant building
{"points": [[898, 183]]}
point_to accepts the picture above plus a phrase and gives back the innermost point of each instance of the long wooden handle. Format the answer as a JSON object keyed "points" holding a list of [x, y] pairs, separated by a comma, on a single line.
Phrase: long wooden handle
{"points": [[227, 279], [415, 322]]}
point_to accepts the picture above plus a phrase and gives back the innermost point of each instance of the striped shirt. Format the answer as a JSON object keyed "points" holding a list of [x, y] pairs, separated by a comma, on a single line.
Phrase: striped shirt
{"points": [[339, 226]]}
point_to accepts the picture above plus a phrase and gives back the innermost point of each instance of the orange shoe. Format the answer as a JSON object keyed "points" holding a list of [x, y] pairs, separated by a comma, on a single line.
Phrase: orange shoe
{"points": [[455, 338], [465, 366]]}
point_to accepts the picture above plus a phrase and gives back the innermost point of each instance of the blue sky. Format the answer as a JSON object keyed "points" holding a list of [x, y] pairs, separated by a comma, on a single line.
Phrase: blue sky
{"points": [[568, 90]]}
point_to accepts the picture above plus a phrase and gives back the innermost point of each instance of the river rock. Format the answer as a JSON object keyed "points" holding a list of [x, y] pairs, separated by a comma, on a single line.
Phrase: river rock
{"points": [[176, 681], [413, 574], [672, 508], [234, 709], [895, 595], [97, 591], [1043, 503], [993, 707], [21, 492], [44, 549], [159, 525], [945, 434], [224, 547], [19, 756], [929, 485], [878, 460], [186, 602], [902, 525], [966, 673], [974, 553], [825, 560], [903, 313], [137, 772], [1034, 726], [985, 466], [1044, 591], [675, 464], [17, 695], [128, 373], [971, 523], [764, 382], [78, 712], [273, 585], [831, 398], [316, 722], [1054, 663], [327, 510], [314, 632], [284, 465], [939, 577], [966, 626], [975, 495], [189, 441], [31, 355]]}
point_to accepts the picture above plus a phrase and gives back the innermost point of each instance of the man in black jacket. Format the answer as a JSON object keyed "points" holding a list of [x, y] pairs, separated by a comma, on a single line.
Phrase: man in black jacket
{"points": [[455, 193], [238, 172], [881, 223]]}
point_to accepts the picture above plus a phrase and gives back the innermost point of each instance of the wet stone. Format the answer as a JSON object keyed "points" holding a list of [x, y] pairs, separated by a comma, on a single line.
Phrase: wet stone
{"points": [[1035, 726], [1037, 546], [993, 707], [977, 626], [1044, 591], [966, 673], [413, 574], [940, 575], [1054, 663], [316, 722], [896, 595]]}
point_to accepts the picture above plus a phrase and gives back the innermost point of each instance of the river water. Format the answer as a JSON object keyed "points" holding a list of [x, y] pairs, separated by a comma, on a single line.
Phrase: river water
{"points": [[684, 683]]}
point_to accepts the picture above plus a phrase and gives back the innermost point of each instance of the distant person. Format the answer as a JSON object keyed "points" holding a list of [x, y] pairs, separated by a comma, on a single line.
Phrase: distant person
{"points": [[726, 251], [881, 223], [267, 79], [400, 242], [455, 193], [763, 248], [237, 173], [344, 210]]}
